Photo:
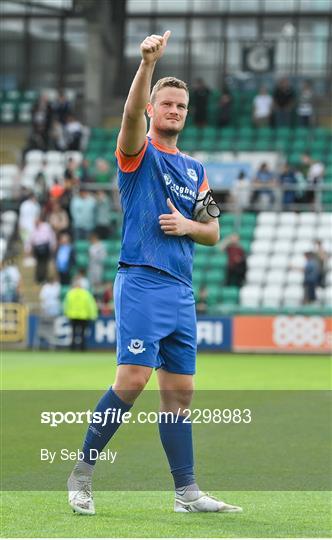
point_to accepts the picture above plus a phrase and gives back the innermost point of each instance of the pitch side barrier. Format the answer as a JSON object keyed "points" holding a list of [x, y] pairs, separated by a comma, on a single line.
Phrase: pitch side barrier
{"points": [[239, 333]]}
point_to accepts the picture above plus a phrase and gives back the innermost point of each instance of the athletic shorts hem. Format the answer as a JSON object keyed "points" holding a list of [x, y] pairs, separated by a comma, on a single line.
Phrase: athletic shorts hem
{"points": [[176, 372], [144, 364]]}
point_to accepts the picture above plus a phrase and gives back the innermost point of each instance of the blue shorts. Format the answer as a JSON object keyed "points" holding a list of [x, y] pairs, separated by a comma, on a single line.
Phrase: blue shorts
{"points": [[156, 320]]}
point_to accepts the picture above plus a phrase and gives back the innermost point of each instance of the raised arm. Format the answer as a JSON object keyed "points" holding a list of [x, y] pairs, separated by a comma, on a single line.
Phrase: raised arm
{"points": [[133, 128]]}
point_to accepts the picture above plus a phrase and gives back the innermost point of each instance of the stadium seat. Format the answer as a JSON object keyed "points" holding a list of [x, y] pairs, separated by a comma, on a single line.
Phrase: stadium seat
{"points": [[250, 296], [3, 248], [267, 218], [328, 278], [9, 170], [271, 296], [282, 246], [307, 219], [305, 232], [255, 276], [75, 155], [261, 246], [293, 295], [265, 232], [53, 172], [328, 296], [294, 277], [55, 158], [325, 219], [275, 277], [288, 218], [230, 295], [302, 246], [278, 260], [31, 169], [285, 232], [34, 157], [297, 261], [257, 261]]}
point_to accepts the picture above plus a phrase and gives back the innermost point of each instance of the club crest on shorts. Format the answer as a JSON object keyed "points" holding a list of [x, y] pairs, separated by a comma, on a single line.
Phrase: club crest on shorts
{"points": [[136, 346], [192, 174]]}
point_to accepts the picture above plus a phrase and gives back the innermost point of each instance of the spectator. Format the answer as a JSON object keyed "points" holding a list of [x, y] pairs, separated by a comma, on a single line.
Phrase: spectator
{"points": [[202, 300], [73, 131], [10, 281], [97, 256], [82, 279], [42, 120], [104, 216], [40, 185], [236, 264], [79, 307], [288, 177], [283, 103], [225, 108], [57, 136], [262, 108], [62, 108], [84, 173], [200, 100], [305, 109], [102, 173], [56, 190], [83, 213], [43, 243], [66, 197], [64, 259], [322, 258], [71, 171], [49, 297], [241, 191], [314, 178], [311, 278], [107, 304], [28, 214], [263, 184], [58, 218]]}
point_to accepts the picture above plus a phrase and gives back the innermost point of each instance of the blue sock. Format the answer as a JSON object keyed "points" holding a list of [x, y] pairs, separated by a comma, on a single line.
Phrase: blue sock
{"points": [[98, 435], [177, 441]]}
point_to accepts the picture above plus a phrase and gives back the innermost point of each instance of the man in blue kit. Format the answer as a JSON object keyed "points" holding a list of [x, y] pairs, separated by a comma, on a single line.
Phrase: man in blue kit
{"points": [[167, 207]]}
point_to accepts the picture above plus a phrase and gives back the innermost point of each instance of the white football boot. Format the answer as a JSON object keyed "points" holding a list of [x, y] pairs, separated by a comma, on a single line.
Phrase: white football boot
{"points": [[80, 494], [198, 501]]}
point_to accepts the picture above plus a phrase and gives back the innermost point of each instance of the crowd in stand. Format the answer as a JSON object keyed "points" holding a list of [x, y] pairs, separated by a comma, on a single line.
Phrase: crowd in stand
{"points": [[298, 185], [276, 109], [55, 125]]}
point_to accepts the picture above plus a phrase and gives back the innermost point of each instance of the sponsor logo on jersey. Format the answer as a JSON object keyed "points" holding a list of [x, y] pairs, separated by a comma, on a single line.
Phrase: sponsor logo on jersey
{"points": [[180, 191], [136, 346], [192, 174]]}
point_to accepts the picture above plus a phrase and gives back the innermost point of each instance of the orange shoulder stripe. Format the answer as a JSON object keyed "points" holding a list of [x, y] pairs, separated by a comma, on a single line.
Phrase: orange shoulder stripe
{"points": [[129, 164], [205, 184]]}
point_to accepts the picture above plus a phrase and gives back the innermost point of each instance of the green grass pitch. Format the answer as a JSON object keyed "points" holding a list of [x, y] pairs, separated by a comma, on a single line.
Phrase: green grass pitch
{"points": [[149, 514]]}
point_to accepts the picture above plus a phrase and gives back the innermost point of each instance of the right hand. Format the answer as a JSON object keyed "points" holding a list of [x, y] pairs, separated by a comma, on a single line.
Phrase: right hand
{"points": [[153, 47]]}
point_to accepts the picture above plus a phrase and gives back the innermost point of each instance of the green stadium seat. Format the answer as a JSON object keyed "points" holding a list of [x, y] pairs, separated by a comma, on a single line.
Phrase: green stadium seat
{"points": [[246, 232], [109, 274], [246, 243], [215, 275], [82, 260], [228, 220], [224, 145], [243, 145], [262, 146], [111, 262], [200, 260], [264, 133], [248, 219], [30, 95], [189, 145], [81, 246], [207, 145], [300, 146], [218, 260], [13, 95], [281, 146], [230, 295], [214, 294]]}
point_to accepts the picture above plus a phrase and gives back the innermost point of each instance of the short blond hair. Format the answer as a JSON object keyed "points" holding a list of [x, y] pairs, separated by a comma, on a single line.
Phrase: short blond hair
{"points": [[168, 82]]}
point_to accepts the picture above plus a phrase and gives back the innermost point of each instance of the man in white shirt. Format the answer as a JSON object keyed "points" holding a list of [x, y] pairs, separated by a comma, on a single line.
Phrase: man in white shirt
{"points": [[262, 108]]}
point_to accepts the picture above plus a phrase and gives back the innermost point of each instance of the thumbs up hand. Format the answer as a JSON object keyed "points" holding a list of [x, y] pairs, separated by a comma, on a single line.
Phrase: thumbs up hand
{"points": [[174, 224]]}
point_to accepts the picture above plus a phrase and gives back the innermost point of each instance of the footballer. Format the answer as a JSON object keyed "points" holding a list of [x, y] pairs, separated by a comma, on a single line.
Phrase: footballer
{"points": [[167, 207]]}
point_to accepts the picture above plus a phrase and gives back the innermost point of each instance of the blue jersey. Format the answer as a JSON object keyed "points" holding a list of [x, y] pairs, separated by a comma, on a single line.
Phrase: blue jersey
{"points": [[146, 181]]}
